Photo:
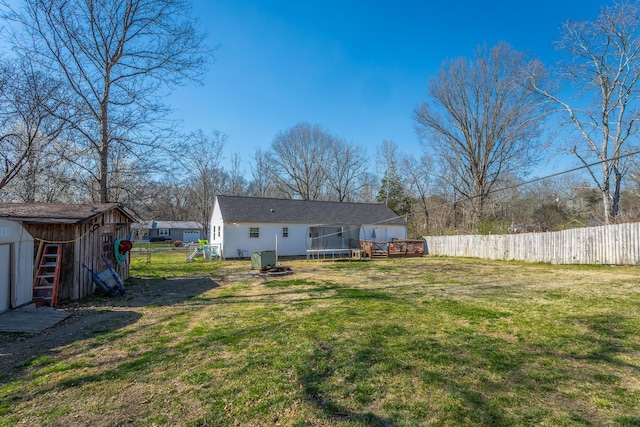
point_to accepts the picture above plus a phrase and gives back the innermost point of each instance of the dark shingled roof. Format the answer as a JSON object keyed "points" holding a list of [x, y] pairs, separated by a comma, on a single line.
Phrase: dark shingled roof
{"points": [[55, 213], [266, 210]]}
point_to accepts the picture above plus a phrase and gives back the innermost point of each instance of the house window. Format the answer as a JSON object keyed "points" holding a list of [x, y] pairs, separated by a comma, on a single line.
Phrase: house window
{"points": [[219, 227], [285, 231], [254, 232], [163, 232]]}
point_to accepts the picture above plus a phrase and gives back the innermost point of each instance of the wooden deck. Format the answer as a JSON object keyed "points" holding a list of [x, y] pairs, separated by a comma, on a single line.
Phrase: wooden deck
{"points": [[394, 249]]}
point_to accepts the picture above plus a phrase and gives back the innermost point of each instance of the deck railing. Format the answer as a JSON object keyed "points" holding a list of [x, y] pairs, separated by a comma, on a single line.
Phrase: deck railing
{"points": [[397, 248]]}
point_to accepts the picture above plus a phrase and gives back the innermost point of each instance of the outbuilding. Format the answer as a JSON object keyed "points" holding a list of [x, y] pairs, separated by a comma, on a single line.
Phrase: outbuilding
{"points": [[86, 232], [16, 265], [244, 225]]}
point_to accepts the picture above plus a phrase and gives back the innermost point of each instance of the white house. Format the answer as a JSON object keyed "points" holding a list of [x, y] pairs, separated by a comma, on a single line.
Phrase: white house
{"points": [[242, 225]]}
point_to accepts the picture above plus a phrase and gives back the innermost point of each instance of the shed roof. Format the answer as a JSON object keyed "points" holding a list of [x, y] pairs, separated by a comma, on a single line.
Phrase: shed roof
{"points": [[268, 210], [56, 213]]}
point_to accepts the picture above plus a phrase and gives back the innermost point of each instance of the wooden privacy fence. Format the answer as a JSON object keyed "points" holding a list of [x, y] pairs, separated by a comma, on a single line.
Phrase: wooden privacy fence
{"points": [[617, 244]]}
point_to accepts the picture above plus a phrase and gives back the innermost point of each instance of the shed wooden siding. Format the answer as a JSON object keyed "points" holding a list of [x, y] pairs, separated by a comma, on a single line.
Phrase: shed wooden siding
{"points": [[617, 244], [75, 280]]}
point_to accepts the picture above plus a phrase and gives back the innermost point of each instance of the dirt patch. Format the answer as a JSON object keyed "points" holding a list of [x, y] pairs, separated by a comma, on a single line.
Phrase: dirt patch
{"points": [[98, 314]]}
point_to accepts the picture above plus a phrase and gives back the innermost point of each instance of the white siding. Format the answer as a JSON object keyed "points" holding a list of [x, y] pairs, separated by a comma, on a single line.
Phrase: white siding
{"points": [[236, 238], [216, 231], [5, 277], [382, 233], [21, 260]]}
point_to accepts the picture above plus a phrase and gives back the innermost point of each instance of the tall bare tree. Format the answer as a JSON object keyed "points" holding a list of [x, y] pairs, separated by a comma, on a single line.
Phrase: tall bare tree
{"points": [[419, 178], [368, 186], [263, 178], [603, 65], [203, 158], [481, 121], [237, 183], [298, 156], [117, 57], [346, 165], [29, 104]]}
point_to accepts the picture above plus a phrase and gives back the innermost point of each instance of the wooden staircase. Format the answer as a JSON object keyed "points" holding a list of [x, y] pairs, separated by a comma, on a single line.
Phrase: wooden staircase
{"points": [[45, 285]]}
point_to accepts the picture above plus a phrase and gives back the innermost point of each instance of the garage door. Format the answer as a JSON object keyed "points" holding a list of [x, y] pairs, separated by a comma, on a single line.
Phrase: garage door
{"points": [[190, 236], [5, 283]]}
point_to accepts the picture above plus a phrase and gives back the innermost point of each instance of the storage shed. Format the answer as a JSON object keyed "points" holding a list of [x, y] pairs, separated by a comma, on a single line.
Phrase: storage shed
{"points": [[86, 232], [16, 265]]}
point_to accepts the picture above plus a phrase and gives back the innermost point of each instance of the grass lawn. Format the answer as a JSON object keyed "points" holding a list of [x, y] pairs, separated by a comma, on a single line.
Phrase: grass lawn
{"points": [[404, 342]]}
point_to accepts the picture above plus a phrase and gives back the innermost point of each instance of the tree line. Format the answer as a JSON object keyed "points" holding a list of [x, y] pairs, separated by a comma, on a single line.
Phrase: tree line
{"points": [[82, 119]]}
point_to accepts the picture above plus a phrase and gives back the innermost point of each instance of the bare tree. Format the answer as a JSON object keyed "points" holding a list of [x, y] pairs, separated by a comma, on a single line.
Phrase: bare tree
{"points": [[604, 66], [116, 57], [480, 121], [29, 103], [298, 158], [206, 178], [368, 186], [166, 201], [419, 177], [263, 176], [345, 166], [237, 183]]}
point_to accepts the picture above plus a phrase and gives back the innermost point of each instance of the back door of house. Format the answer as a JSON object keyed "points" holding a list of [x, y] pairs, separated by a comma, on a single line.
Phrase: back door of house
{"points": [[5, 277]]}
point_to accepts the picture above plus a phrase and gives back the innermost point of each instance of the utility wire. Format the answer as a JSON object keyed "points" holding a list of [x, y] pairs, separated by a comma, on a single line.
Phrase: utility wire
{"points": [[531, 181], [509, 187]]}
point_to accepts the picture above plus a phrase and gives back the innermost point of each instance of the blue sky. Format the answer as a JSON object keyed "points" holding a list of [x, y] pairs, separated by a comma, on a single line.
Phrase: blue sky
{"points": [[357, 68]]}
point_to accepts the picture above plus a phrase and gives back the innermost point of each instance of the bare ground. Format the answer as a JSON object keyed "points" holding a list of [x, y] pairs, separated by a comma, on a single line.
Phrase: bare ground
{"points": [[97, 314]]}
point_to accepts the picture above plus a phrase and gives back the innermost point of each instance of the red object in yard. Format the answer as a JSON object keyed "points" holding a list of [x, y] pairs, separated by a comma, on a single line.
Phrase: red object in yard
{"points": [[125, 246]]}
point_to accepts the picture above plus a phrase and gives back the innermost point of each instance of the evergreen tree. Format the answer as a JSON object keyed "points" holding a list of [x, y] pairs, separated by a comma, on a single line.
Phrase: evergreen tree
{"points": [[392, 192]]}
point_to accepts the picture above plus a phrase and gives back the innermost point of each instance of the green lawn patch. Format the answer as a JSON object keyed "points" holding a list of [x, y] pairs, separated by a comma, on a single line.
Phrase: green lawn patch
{"points": [[424, 341]]}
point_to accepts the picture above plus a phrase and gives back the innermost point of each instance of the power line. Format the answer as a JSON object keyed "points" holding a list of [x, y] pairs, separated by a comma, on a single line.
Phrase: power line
{"points": [[531, 181], [509, 187]]}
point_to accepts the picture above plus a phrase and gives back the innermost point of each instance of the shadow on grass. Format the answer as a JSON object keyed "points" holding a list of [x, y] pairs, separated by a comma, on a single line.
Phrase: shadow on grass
{"points": [[21, 351], [608, 338], [316, 373], [158, 292], [98, 315], [332, 375]]}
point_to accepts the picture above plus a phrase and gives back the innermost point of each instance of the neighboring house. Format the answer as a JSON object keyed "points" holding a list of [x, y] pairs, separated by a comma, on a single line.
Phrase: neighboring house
{"points": [[160, 231], [243, 225], [87, 232]]}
